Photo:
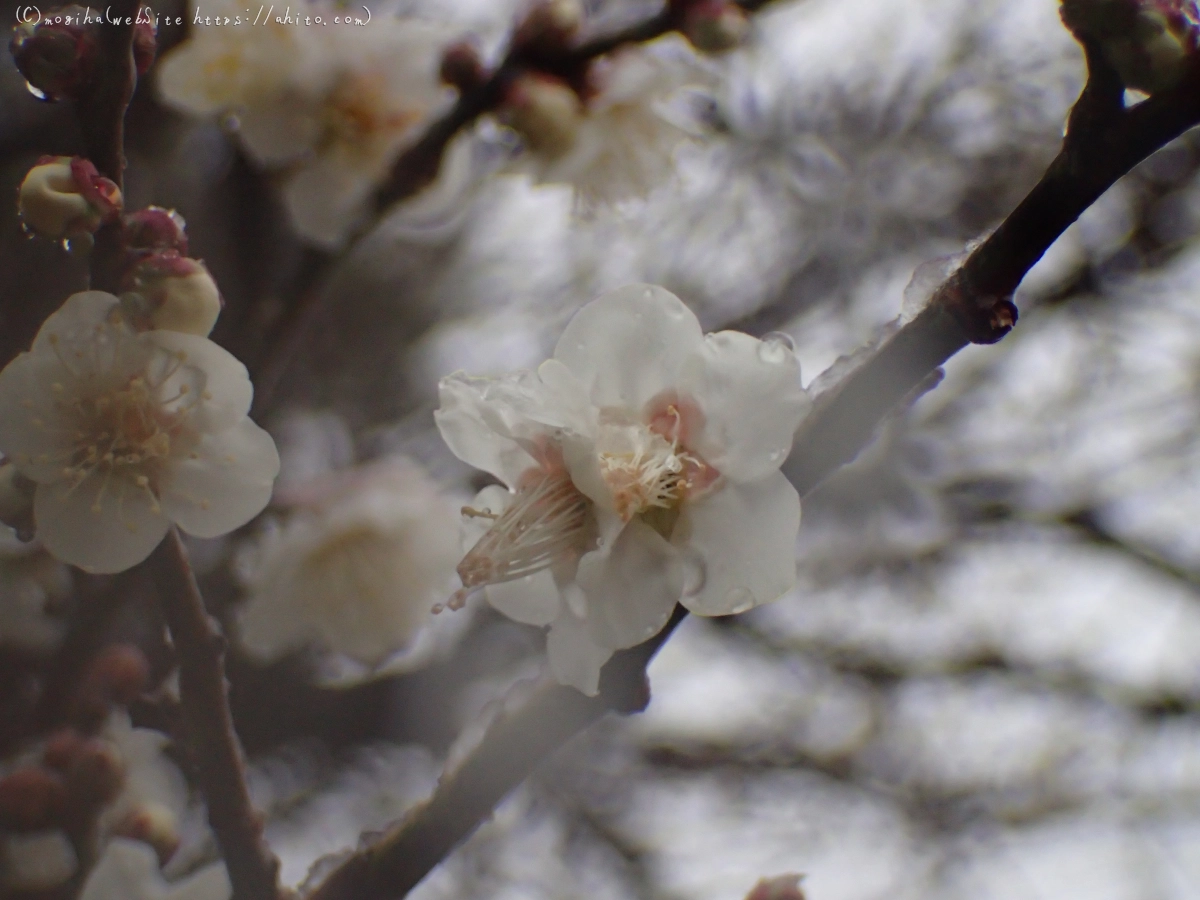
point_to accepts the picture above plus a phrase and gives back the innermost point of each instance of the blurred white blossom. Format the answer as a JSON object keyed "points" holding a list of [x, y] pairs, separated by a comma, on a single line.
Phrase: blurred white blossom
{"points": [[356, 569], [642, 465], [127, 433], [30, 580], [128, 870], [331, 107]]}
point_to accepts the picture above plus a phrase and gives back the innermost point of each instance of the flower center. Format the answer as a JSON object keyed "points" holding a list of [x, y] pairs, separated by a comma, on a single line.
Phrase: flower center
{"points": [[547, 520], [357, 112]]}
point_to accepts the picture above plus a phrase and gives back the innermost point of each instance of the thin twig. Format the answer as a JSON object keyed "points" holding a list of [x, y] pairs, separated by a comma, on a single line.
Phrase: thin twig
{"points": [[253, 869]]}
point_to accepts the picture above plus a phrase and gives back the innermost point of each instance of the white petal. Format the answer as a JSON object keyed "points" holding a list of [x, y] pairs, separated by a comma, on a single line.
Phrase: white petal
{"points": [[534, 599], [750, 393], [127, 870], [77, 319], [493, 423], [629, 345], [31, 422], [632, 588], [225, 482], [326, 198], [746, 536], [126, 528], [227, 386], [575, 657]]}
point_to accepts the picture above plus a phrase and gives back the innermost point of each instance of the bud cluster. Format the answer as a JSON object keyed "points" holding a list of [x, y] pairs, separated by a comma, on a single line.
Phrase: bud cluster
{"points": [[1151, 43], [65, 197]]}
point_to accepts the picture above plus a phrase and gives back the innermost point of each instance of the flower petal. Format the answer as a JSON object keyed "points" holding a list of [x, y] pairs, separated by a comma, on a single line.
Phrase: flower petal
{"points": [[227, 386], [494, 423], [36, 432], [629, 344], [104, 524], [534, 599], [77, 319], [750, 393], [226, 481], [575, 657], [746, 536], [631, 588]]}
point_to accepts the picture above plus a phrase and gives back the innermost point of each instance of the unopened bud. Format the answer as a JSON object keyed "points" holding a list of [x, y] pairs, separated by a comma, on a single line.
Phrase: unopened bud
{"points": [[32, 799], [1151, 43], [65, 197], [174, 293], [56, 54], [153, 824], [781, 887], [61, 749], [545, 112], [714, 26], [16, 498], [550, 24], [120, 671], [155, 228], [145, 41], [96, 775], [461, 66]]}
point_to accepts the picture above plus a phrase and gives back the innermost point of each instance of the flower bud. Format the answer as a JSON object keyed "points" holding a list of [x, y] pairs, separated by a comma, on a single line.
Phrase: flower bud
{"points": [[145, 41], [174, 293], [61, 749], [16, 498], [550, 24], [31, 799], [714, 26], [155, 228], [1151, 43], [781, 887], [545, 112], [97, 774], [121, 671], [461, 66], [65, 197], [153, 824], [56, 54]]}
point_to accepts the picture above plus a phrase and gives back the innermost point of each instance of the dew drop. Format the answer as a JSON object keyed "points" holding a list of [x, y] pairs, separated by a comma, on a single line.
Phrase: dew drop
{"points": [[695, 573], [41, 95], [739, 600], [66, 244], [776, 347]]}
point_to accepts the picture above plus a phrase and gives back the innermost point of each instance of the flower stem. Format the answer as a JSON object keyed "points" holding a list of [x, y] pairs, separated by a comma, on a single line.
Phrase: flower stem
{"points": [[253, 869]]}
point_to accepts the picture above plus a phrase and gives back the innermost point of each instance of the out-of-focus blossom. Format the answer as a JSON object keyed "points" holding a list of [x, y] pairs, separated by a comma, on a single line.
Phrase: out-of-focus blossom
{"points": [[619, 141], [38, 861], [356, 569], [125, 433], [330, 106], [642, 463], [128, 870], [65, 197], [30, 580], [153, 784]]}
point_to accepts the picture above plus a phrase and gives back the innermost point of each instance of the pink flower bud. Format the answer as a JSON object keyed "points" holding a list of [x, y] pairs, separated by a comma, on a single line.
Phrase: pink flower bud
{"points": [[153, 824], [31, 799], [155, 228], [545, 112], [65, 197], [781, 887], [96, 775], [1151, 43], [714, 26], [461, 66], [61, 749], [56, 54], [175, 293]]}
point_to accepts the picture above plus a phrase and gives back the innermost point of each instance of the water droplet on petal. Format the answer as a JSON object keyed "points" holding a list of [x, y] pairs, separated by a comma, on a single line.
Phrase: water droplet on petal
{"points": [[739, 600], [776, 347], [41, 95], [66, 244], [695, 573]]}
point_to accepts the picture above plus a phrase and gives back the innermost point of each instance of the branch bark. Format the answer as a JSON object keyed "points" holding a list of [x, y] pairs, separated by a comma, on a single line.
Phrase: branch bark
{"points": [[253, 869]]}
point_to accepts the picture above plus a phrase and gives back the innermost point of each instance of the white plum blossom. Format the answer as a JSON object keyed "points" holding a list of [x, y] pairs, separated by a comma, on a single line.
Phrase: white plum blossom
{"points": [[31, 581], [642, 467], [330, 107], [620, 142], [355, 570], [128, 870], [125, 433]]}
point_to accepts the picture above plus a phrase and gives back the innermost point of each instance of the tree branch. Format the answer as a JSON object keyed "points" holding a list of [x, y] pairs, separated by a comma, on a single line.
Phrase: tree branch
{"points": [[253, 869]]}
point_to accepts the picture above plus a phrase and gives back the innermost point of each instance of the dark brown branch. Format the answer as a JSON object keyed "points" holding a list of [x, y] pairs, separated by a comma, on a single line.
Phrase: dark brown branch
{"points": [[512, 747], [101, 113], [253, 869]]}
